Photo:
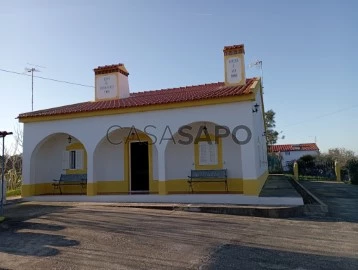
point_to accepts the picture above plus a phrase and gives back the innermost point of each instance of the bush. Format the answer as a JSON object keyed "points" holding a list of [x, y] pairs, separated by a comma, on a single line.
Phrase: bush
{"points": [[353, 170], [307, 158]]}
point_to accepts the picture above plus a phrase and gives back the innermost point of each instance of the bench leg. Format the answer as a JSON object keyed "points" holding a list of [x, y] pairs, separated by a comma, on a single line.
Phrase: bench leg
{"points": [[191, 186], [83, 188]]}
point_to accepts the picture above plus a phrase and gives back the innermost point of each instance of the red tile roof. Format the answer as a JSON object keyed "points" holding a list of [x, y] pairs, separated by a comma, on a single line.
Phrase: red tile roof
{"points": [[156, 97], [293, 147]]}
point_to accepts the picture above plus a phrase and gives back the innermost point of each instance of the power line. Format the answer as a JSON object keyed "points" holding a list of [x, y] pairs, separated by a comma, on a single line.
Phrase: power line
{"points": [[322, 116], [44, 78]]}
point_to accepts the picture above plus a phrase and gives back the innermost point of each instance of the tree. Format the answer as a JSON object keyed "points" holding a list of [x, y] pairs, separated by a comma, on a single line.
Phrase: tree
{"points": [[342, 155], [271, 134]]}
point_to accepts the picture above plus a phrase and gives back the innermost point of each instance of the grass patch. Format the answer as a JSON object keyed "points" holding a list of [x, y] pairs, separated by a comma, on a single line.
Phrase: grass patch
{"points": [[13, 193], [2, 219]]}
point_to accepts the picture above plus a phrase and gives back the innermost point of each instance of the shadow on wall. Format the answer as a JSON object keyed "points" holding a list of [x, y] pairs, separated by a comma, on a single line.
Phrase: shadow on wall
{"points": [[233, 256], [34, 241]]}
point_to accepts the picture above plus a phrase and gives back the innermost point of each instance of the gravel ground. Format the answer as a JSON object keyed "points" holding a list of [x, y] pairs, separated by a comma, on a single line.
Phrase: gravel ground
{"points": [[90, 236]]}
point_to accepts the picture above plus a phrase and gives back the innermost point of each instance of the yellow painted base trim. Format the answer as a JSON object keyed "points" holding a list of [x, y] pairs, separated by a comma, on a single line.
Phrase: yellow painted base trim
{"points": [[181, 186], [254, 186], [175, 186], [47, 188], [27, 190], [162, 188], [91, 189], [104, 187], [153, 186]]}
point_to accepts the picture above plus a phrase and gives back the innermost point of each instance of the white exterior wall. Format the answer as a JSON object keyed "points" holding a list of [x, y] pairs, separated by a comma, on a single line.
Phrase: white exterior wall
{"points": [[109, 162], [259, 139], [232, 158], [91, 131], [179, 161]]}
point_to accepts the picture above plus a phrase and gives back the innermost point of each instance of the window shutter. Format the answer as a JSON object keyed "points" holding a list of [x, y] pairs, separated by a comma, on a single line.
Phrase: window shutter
{"points": [[79, 159], [65, 160], [208, 154]]}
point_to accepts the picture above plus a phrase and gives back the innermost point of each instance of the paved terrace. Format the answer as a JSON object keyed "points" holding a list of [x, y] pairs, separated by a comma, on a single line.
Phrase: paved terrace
{"points": [[92, 236]]}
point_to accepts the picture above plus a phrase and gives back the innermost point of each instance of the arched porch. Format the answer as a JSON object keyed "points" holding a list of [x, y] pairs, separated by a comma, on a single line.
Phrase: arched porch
{"points": [[125, 162], [202, 145], [56, 154]]}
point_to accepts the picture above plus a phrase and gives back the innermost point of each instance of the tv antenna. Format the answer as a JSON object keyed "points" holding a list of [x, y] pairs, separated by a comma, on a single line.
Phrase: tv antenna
{"points": [[32, 70], [258, 64]]}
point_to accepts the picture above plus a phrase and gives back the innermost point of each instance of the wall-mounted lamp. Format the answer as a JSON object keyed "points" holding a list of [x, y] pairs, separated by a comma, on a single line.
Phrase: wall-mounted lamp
{"points": [[256, 108], [69, 139]]}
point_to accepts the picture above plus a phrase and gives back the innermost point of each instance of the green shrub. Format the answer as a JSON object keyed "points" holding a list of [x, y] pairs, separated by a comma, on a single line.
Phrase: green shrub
{"points": [[13, 193], [353, 170], [307, 158]]}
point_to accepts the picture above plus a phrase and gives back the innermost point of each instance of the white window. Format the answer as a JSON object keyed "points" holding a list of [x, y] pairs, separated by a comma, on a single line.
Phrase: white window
{"points": [[208, 153], [72, 160]]}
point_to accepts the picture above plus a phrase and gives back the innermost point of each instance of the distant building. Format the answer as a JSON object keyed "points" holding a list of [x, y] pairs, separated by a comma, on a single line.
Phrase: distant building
{"points": [[292, 152]]}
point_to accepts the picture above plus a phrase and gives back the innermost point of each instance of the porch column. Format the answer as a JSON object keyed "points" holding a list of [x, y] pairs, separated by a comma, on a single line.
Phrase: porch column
{"points": [[28, 183], [162, 190], [249, 170], [91, 184]]}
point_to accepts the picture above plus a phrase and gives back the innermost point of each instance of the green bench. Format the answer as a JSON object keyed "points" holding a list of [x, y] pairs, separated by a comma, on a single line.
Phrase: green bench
{"points": [[70, 180], [208, 176]]}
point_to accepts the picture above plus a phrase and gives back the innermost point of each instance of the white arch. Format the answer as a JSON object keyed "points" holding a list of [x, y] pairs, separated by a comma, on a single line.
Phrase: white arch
{"points": [[110, 159], [46, 158]]}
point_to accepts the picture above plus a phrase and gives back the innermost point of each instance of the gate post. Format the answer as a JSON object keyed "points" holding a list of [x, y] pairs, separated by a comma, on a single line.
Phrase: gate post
{"points": [[337, 169], [295, 171]]}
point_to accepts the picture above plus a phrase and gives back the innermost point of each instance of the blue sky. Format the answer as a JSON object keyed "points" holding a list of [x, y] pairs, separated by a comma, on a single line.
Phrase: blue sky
{"points": [[308, 49]]}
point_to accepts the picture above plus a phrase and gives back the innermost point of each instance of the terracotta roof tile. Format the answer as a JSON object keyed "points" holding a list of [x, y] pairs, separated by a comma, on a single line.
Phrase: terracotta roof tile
{"points": [[293, 147], [154, 97]]}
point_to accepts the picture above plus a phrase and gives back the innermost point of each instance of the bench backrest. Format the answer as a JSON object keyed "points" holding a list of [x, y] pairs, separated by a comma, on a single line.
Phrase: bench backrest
{"points": [[208, 173], [73, 177]]}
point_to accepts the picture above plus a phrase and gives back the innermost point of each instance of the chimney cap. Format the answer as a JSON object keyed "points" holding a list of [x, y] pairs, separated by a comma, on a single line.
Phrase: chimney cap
{"points": [[234, 49], [111, 68]]}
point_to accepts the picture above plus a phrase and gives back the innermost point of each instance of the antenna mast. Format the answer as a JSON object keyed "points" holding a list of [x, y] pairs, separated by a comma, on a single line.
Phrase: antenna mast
{"points": [[258, 64], [32, 70]]}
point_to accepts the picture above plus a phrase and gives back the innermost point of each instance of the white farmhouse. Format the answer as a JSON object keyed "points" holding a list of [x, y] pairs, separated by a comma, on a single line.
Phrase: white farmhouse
{"points": [[149, 142], [292, 152]]}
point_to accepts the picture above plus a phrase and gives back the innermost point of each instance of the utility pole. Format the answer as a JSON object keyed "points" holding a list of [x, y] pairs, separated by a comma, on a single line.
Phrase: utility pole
{"points": [[3, 134]]}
